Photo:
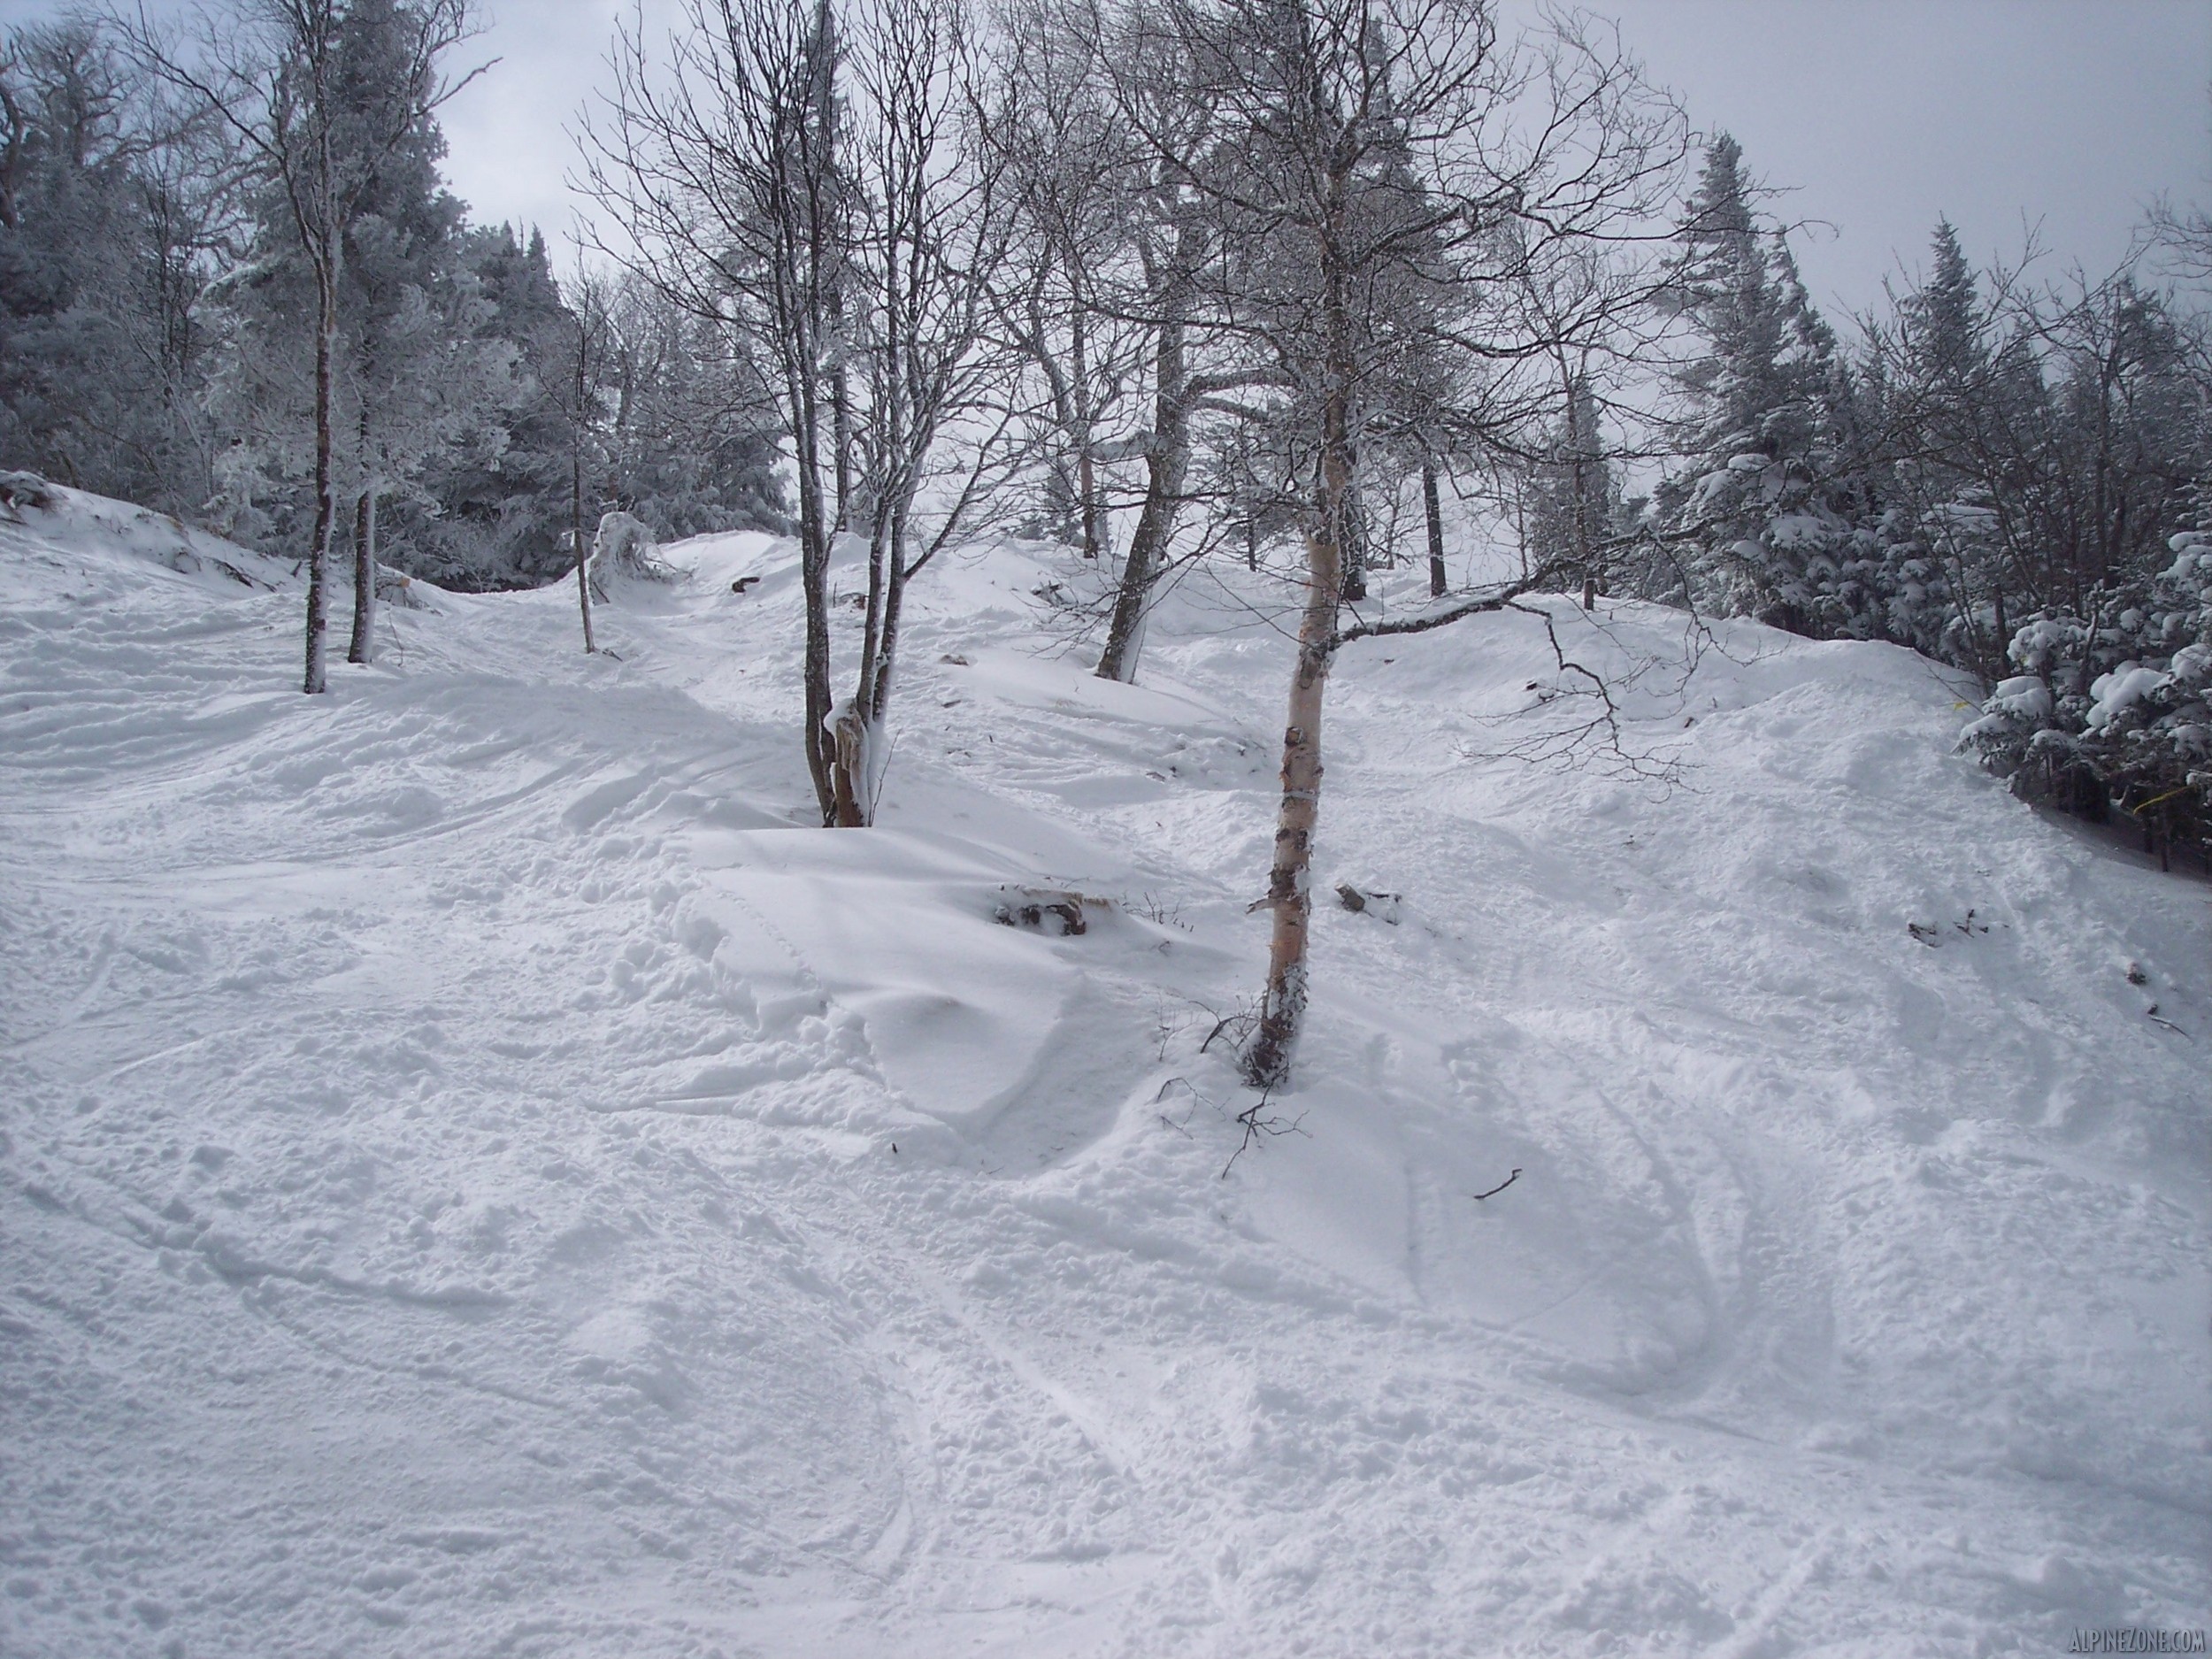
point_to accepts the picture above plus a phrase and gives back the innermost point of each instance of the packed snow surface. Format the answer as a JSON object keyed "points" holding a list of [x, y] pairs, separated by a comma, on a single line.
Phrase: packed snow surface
{"points": [[481, 1175]]}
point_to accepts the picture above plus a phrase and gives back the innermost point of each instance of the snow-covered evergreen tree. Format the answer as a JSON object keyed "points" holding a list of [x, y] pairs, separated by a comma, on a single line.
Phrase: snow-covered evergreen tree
{"points": [[499, 508], [687, 436], [1761, 513], [114, 201], [417, 382], [1944, 399], [1570, 512], [2111, 620], [418, 388]]}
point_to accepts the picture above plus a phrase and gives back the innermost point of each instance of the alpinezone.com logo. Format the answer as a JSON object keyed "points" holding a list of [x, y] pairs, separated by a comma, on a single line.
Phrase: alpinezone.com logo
{"points": [[2137, 1638]]}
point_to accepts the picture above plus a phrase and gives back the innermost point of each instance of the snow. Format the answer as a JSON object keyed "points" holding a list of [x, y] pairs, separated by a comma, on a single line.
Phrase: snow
{"points": [[1805, 530], [2119, 691], [2024, 695], [449, 1203]]}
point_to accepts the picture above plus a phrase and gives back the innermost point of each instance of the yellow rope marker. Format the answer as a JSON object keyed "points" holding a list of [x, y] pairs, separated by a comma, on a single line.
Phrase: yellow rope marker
{"points": [[2136, 811]]}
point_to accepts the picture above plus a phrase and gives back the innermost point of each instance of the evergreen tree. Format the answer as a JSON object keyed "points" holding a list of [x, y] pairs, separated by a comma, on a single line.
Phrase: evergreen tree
{"points": [[1762, 510], [500, 491], [687, 432], [113, 205], [417, 382], [1942, 405], [2110, 591], [1573, 506], [307, 92]]}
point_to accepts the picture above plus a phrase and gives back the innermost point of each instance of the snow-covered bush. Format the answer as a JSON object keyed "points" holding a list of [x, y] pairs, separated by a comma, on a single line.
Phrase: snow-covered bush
{"points": [[2114, 709]]}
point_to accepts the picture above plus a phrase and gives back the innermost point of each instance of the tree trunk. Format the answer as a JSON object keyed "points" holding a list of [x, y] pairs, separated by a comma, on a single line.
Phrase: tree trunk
{"points": [[363, 647], [316, 681], [1085, 474], [822, 309], [876, 698], [1351, 541], [848, 770], [1087, 486], [1165, 462], [1438, 582], [859, 726], [804, 406], [810, 316], [1118, 660], [852, 732], [1584, 541], [841, 436], [814, 534], [798, 344], [583, 557], [1289, 883]]}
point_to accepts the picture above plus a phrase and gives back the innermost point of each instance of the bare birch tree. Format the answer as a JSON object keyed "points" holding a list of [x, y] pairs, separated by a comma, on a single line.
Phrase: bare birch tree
{"points": [[569, 359], [1390, 172]]}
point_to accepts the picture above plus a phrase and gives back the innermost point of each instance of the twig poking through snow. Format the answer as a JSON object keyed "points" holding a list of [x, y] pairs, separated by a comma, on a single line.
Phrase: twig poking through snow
{"points": [[1238, 1016], [1255, 1126], [1500, 1187]]}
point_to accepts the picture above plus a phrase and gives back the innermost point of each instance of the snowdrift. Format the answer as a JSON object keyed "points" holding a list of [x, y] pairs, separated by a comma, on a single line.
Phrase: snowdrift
{"points": [[481, 1175]]}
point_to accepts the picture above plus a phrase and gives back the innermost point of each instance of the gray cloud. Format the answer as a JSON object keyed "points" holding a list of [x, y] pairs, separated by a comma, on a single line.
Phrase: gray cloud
{"points": [[1882, 114]]}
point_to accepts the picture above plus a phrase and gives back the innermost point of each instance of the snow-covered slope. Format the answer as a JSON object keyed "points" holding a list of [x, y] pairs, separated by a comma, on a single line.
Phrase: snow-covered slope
{"points": [[480, 1176]]}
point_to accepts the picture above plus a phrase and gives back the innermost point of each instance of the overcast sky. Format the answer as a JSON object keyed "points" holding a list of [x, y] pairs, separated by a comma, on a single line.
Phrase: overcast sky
{"points": [[1874, 115]]}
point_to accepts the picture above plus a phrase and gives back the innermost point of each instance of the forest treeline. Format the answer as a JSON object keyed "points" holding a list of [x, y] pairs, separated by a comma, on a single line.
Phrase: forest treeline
{"points": [[157, 329], [1313, 285]]}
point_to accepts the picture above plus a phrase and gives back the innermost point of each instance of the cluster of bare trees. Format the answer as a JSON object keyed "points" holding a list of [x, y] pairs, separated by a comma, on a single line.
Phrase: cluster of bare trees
{"points": [[1226, 270], [821, 182]]}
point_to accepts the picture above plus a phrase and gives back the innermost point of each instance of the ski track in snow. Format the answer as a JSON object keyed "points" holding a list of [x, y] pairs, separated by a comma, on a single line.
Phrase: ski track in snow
{"points": [[448, 1201]]}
